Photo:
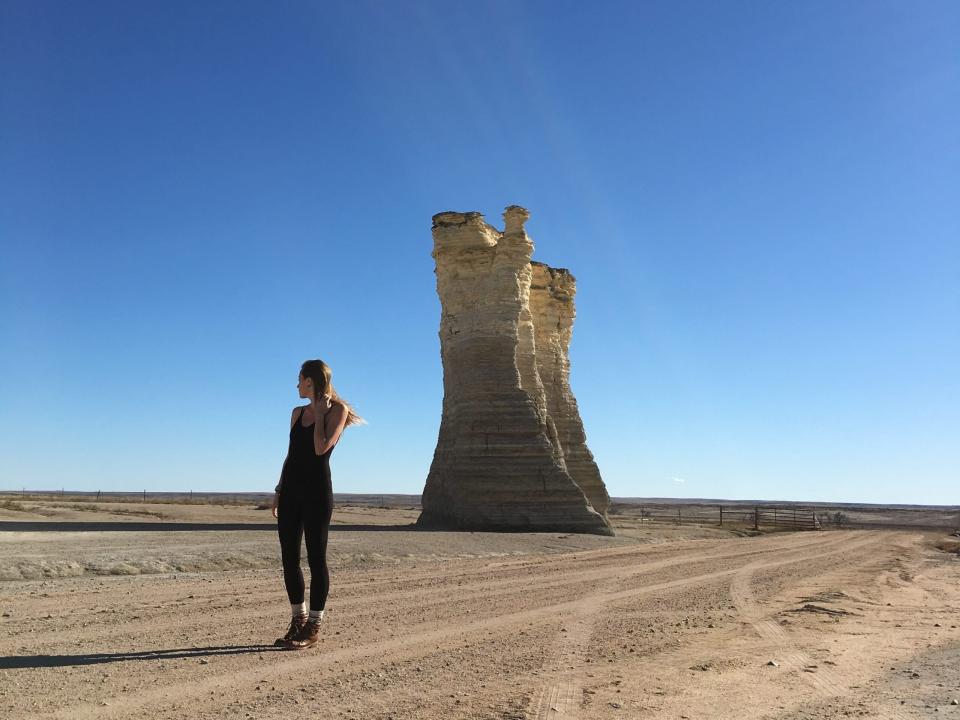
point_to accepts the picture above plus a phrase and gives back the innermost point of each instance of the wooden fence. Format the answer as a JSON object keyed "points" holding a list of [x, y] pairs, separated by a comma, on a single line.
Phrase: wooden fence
{"points": [[793, 518], [789, 517]]}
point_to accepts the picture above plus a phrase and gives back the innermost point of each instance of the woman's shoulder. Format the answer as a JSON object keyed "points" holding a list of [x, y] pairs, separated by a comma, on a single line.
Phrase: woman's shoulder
{"points": [[295, 413]]}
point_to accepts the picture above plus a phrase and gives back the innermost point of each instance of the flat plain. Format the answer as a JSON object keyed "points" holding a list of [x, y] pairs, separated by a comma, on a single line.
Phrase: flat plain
{"points": [[132, 610]]}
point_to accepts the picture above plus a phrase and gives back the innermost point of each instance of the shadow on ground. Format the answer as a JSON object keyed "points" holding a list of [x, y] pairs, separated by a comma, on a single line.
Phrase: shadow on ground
{"points": [[19, 662]]}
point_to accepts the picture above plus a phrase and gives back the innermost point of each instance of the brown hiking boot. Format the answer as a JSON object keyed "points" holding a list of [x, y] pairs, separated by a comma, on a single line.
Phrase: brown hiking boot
{"points": [[296, 625], [307, 636]]}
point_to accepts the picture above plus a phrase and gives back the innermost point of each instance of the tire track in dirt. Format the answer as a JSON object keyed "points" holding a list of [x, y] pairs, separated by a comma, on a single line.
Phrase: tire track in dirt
{"points": [[376, 581], [356, 594], [562, 695], [425, 637], [825, 682]]}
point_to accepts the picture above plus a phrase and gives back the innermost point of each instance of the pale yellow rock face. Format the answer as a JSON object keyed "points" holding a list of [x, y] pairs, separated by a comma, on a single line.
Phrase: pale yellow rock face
{"points": [[551, 305], [511, 453]]}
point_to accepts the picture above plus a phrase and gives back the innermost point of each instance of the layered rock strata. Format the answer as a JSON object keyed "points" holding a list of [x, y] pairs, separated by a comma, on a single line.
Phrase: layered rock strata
{"points": [[511, 452], [551, 304]]}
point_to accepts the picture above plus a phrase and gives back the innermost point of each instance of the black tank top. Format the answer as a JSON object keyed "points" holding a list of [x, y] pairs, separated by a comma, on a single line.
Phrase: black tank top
{"points": [[306, 468]]}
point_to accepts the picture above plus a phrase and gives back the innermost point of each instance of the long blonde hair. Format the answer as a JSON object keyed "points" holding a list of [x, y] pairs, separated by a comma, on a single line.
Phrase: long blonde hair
{"points": [[322, 376]]}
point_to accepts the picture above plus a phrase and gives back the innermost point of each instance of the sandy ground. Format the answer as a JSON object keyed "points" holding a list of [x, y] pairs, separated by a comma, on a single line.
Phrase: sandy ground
{"points": [[654, 623]]}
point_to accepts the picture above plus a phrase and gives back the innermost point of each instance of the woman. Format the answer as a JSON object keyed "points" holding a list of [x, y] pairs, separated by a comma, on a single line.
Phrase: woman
{"points": [[303, 500]]}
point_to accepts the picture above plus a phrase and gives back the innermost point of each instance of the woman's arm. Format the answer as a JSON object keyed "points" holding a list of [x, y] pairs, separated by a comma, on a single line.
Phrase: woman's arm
{"points": [[283, 473], [283, 470], [328, 427]]}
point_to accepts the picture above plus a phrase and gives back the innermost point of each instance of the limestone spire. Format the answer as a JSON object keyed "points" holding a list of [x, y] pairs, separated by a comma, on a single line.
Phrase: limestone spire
{"points": [[511, 452]]}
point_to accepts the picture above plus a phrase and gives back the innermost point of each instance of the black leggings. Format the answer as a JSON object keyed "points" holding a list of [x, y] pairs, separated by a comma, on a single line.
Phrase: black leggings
{"points": [[305, 515]]}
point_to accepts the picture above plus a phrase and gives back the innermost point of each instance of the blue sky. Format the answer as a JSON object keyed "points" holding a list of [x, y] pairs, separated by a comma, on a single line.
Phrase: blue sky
{"points": [[760, 203]]}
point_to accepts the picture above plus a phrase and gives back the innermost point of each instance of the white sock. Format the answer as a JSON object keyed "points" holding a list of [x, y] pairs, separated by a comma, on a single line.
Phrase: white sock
{"points": [[298, 609], [316, 615]]}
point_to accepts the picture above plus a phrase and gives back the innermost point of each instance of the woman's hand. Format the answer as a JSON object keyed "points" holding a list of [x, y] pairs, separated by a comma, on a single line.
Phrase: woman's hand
{"points": [[327, 429], [320, 405], [276, 502]]}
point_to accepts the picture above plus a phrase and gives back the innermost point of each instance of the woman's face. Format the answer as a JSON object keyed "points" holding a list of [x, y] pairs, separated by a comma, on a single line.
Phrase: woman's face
{"points": [[305, 387]]}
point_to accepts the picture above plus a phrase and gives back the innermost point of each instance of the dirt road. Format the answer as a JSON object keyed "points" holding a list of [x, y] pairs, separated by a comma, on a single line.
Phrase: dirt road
{"points": [[805, 625]]}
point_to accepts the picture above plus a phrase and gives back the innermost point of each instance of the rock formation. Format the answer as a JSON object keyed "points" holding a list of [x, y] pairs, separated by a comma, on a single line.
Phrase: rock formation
{"points": [[511, 452]]}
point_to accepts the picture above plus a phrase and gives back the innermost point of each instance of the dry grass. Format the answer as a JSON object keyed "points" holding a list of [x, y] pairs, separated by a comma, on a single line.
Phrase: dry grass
{"points": [[948, 544], [20, 507], [112, 510]]}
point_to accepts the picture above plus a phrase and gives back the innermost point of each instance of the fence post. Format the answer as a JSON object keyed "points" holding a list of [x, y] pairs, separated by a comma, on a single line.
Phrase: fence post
{"points": [[679, 519], [144, 496], [721, 516], [98, 496], [774, 517], [756, 518]]}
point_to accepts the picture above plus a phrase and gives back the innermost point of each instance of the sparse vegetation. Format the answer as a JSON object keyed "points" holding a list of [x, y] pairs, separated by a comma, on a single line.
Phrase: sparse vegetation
{"points": [[238, 499], [15, 506], [230, 499], [948, 544], [90, 507]]}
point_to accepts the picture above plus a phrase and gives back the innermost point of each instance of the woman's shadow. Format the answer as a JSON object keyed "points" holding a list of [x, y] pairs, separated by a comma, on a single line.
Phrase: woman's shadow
{"points": [[19, 662]]}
